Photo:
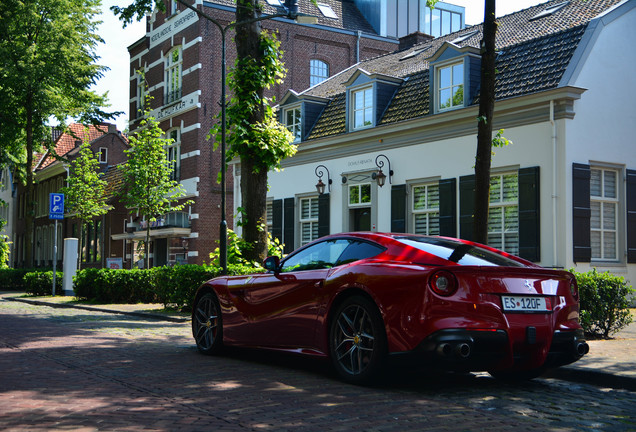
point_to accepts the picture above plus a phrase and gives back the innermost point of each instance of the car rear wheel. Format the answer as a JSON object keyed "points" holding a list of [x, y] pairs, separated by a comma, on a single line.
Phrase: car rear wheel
{"points": [[207, 324], [357, 340]]}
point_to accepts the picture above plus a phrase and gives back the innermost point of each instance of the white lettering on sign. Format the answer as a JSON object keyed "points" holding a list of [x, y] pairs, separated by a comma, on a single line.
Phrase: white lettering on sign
{"points": [[168, 29], [186, 103]]}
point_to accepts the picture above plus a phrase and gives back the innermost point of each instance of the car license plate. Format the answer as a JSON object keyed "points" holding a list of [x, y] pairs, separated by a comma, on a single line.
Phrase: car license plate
{"points": [[524, 304]]}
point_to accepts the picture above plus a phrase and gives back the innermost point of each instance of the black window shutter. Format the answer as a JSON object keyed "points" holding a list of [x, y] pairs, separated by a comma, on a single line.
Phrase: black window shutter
{"points": [[466, 206], [581, 213], [398, 208], [323, 215], [448, 207], [631, 216], [529, 229], [288, 224], [277, 219]]}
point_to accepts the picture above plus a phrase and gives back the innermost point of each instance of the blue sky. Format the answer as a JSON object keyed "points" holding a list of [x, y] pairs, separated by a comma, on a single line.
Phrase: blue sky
{"points": [[114, 53]]}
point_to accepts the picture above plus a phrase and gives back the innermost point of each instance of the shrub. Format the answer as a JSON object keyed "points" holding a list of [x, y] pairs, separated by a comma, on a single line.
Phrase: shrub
{"points": [[604, 302], [40, 283], [13, 279], [114, 286], [176, 286], [172, 286]]}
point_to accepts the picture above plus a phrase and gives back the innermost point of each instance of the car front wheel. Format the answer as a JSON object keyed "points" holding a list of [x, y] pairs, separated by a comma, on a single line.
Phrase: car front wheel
{"points": [[357, 340], [207, 324]]}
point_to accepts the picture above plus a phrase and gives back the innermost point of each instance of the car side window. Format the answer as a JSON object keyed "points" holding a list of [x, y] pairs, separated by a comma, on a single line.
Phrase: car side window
{"points": [[358, 250], [319, 256]]}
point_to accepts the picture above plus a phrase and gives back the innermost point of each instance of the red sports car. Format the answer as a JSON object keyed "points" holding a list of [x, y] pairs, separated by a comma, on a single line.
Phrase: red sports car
{"points": [[363, 299]]}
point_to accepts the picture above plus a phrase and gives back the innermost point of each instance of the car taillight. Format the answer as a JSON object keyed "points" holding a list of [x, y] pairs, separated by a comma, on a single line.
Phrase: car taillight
{"points": [[574, 289], [443, 283]]}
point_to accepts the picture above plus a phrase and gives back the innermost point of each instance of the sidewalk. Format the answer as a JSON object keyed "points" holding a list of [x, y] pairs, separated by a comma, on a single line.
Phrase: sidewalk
{"points": [[610, 363], [145, 310]]}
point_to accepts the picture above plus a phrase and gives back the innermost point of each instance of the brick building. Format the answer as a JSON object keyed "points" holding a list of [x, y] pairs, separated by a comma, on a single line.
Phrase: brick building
{"points": [[180, 56], [50, 175]]}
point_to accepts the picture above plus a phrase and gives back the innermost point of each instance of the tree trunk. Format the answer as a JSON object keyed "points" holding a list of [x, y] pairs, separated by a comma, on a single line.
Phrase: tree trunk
{"points": [[29, 214], [484, 125], [254, 201], [253, 180]]}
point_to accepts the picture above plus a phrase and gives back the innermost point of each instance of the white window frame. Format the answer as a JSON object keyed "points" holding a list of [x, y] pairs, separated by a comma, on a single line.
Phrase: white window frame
{"points": [[452, 87], [295, 127], [427, 211], [604, 201], [173, 60], [103, 155], [366, 109], [310, 221], [504, 205], [318, 72], [173, 152], [269, 215]]}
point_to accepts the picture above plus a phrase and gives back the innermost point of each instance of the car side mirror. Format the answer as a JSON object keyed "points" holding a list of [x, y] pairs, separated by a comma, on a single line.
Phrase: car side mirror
{"points": [[272, 264]]}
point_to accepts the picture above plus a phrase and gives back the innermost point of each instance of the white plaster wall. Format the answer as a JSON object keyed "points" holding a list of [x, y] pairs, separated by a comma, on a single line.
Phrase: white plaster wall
{"points": [[604, 128]]}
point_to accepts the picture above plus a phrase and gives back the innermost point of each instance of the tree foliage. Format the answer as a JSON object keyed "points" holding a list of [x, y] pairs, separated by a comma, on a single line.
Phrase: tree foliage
{"points": [[148, 186], [84, 195], [47, 65]]}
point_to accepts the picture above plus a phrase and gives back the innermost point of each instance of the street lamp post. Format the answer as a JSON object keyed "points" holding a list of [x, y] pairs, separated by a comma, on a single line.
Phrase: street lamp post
{"points": [[291, 7]]}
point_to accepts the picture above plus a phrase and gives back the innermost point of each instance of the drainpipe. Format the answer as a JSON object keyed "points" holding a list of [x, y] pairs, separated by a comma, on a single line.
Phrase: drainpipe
{"points": [[554, 185], [358, 46]]}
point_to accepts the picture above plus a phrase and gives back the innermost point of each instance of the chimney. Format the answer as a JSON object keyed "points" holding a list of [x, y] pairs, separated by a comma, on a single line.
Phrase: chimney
{"points": [[413, 39]]}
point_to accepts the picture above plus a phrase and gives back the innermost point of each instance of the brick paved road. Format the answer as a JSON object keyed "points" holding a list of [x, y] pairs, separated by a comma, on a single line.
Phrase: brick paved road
{"points": [[66, 369]]}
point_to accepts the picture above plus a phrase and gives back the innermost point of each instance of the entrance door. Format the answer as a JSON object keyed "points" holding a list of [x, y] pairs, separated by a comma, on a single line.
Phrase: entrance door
{"points": [[361, 218], [161, 252]]}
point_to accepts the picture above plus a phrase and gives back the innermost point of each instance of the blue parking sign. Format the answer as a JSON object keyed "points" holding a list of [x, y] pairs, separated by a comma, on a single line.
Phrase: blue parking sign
{"points": [[56, 206]]}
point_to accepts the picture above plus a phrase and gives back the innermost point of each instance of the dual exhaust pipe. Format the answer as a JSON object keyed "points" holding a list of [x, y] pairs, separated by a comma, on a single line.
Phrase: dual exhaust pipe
{"points": [[581, 348], [460, 350]]}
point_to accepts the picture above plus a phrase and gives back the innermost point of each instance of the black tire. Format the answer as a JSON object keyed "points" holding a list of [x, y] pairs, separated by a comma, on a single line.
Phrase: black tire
{"points": [[357, 340], [207, 324]]}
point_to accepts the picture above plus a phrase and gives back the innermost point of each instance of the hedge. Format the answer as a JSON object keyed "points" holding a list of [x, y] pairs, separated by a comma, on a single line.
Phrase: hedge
{"points": [[604, 302], [12, 279], [40, 283]]}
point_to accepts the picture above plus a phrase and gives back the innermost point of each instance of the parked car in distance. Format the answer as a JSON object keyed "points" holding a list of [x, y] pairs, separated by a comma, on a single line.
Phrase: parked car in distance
{"points": [[369, 300]]}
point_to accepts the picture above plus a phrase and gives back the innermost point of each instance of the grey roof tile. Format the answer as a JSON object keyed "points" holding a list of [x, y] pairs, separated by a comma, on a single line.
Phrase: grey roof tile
{"points": [[533, 57]]}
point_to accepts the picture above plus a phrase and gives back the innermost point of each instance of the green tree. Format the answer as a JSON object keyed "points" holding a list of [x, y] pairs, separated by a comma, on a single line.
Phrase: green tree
{"points": [[148, 187], [84, 194], [47, 65]]}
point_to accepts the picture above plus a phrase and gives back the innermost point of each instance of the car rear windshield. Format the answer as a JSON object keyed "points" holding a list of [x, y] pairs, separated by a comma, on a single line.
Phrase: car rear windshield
{"points": [[458, 252]]}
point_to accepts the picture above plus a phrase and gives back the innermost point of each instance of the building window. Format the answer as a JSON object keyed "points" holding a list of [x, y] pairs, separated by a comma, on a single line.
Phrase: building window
{"points": [[141, 91], [426, 209], [360, 207], [173, 151], [450, 86], [318, 72], [362, 113], [174, 7], [327, 11], [308, 220], [292, 118], [269, 212], [439, 22], [503, 214], [173, 75], [604, 217], [103, 155]]}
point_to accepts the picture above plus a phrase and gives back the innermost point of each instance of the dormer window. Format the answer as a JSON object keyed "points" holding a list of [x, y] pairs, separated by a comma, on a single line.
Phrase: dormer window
{"points": [[103, 155], [292, 118], [362, 112], [450, 86]]}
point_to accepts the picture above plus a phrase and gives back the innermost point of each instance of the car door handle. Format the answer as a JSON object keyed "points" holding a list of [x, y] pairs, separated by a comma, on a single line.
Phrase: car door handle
{"points": [[318, 284]]}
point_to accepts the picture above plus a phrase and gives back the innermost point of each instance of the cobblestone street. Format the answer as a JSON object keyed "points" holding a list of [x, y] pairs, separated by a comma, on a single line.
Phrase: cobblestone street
{"points": [[70, 369]]}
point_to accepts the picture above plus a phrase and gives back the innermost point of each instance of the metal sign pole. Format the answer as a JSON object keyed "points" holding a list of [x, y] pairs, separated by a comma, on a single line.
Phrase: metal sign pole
{"points": [[54, 256]]}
